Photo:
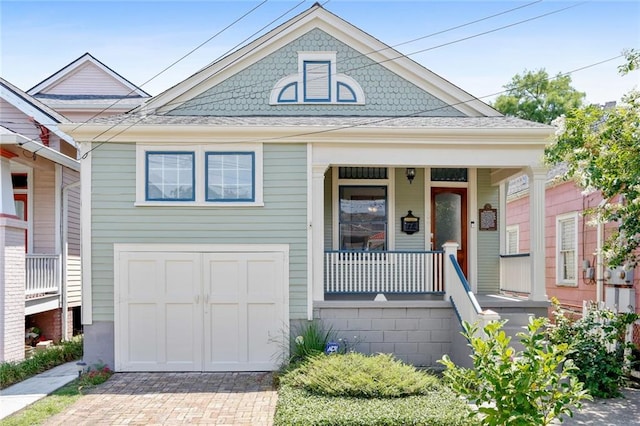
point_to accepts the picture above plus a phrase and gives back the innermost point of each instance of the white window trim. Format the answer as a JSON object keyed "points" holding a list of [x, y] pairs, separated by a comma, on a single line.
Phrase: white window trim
{"points": [[335, 208], [510, 229], [200, 173], [559, 279], [335, 79]]}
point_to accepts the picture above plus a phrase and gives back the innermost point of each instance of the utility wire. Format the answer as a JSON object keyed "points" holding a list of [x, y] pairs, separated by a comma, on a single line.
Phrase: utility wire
{"points": [[177, 61], [378, 120], [203, 96], [228, 65]]}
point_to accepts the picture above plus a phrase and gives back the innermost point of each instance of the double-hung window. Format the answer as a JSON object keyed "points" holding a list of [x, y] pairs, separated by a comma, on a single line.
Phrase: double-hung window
{"points": [[170, 176], [230, 176], [566, 249], [199, 175], [512, 239]]}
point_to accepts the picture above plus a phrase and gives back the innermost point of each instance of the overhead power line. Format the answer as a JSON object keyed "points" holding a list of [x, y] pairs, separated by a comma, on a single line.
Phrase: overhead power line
{"points": [[378, 119]]}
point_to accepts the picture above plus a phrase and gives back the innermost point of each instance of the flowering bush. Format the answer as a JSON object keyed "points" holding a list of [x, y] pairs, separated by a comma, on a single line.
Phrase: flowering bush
{"points": [[95, 375]]}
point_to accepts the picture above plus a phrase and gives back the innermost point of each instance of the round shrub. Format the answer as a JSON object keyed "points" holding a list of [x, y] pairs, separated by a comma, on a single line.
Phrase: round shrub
{"points": [[357, 375]]}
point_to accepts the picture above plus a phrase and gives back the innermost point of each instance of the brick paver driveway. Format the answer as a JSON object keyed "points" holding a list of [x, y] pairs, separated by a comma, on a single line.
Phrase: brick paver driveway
{"points": [[176, 398]]}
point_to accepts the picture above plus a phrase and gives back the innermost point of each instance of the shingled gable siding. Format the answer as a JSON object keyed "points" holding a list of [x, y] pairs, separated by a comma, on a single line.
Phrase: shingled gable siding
{"points": [[282, 220], [488, 241], [247, 92]]}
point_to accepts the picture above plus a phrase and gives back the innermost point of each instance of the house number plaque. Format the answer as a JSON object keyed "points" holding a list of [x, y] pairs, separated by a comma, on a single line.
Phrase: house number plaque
{"points": [[488, 218], [410, 224]]}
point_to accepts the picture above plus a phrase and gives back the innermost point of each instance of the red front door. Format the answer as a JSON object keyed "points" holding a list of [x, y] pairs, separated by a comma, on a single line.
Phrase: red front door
{"points": [[449, 220]]}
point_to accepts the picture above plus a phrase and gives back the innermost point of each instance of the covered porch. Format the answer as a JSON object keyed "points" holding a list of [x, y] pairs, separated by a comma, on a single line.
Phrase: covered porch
{"points": [[407, 225]]}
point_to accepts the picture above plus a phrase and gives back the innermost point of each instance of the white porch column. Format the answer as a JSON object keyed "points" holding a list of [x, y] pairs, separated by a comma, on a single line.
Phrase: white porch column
{"points": [[7, 204], [450, 249], [317, 230], [502, 216], [537, 182], [12, 268]]}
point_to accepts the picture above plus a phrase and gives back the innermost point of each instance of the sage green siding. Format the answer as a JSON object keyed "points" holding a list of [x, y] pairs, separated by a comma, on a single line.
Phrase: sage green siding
{"points": [[488, 241], [115, 219], [409, 197], [247, 92]]}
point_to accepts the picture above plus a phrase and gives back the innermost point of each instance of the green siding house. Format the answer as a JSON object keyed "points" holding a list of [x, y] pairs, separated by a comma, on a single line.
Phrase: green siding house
{"points": [[315, 173]]}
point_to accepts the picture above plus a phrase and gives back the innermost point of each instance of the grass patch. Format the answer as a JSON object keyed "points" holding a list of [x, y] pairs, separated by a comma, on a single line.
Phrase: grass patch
{"points": [[14, 372], [355, 389], [38, 412]]}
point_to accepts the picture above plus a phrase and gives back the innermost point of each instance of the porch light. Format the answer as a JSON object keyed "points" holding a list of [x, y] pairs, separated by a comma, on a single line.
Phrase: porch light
{"points": [[411, 173]]}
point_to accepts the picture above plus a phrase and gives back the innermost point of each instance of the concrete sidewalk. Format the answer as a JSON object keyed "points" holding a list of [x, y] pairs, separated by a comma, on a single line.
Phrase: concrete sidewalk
{"points": [[20, 395]]}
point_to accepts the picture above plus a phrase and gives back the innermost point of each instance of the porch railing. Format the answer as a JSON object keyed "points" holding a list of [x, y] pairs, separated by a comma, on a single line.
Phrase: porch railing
{"points": [[383, 272], [42, 274], [515, 273]]}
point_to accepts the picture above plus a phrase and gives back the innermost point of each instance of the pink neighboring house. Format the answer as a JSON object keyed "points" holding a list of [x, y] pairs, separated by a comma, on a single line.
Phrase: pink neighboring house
{"points": [[573, 273]]}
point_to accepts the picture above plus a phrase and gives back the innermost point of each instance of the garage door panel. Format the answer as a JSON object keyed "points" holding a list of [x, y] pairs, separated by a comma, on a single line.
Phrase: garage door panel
{"points": [[263, 332], [142, 278], [262, 279], [143, 333], [180, 341], [181, 279], [225, 326], [224, 274], [190, 310]]}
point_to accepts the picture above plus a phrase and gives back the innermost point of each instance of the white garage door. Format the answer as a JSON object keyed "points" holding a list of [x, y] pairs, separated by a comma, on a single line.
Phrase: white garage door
{"points": [[211, 308]]}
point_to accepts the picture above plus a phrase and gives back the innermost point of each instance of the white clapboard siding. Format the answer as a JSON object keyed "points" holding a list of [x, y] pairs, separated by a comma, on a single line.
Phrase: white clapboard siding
{"points": [[43, 203], [16, 121]]}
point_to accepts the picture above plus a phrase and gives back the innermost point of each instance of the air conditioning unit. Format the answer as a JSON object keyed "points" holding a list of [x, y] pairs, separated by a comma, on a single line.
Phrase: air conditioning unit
{"points": [[621, 275]]}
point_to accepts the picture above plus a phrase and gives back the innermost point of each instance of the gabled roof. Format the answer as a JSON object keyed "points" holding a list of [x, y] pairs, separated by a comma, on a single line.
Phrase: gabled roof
{"points": [[48, 86], [32, 107], [317, 17]]}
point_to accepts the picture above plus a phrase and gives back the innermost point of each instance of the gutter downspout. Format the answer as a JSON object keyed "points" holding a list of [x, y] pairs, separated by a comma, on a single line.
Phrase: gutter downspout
{"points": [[64, 247]]}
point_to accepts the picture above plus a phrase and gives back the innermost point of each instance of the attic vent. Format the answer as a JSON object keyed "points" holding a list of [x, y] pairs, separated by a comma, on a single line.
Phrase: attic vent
{"points": [[317, 81], [362, 173]]}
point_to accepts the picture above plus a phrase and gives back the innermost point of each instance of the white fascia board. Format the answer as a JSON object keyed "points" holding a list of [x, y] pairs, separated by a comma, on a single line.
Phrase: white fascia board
{"points": [[311, 134], [31, 111], [241, 58], [71, 68], [341, 30], [41, 150]]}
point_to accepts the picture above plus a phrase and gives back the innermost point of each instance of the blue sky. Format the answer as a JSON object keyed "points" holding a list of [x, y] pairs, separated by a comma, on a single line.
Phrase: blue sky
{"points": [[138, 39]]}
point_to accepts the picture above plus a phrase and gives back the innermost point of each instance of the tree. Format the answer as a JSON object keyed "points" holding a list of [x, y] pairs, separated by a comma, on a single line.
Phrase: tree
{"points": [[602, 150], [537, 97]]}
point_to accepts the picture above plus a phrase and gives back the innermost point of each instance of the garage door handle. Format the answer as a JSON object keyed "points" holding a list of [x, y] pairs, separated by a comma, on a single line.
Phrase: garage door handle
{"points": [[197, 298]]}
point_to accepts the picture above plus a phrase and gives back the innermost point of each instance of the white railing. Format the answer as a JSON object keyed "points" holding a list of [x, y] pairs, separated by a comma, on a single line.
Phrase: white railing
{"points": [[42, 274], [515, 273], [459, 293], [383, 272]]}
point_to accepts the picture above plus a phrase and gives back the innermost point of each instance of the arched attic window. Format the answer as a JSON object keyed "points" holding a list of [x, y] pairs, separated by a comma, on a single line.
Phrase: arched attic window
{"points": [[317, 82]]}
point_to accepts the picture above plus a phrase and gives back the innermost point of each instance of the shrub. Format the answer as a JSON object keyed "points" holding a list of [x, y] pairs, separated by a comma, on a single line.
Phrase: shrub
{"points": [[534, 386], [357, 375], [441, 407], [356, 389], [14, 372], [597, 347], [308, 340]]}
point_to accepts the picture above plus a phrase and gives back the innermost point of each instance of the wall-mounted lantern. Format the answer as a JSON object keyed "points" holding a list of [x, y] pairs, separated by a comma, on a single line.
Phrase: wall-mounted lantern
{"points": [[411, 174]]}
